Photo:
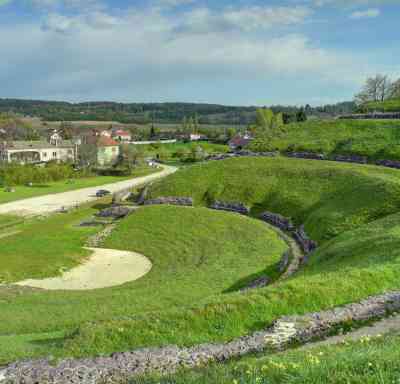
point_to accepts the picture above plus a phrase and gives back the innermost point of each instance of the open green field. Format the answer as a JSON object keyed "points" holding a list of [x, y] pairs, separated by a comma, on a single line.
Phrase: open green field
{"points": [[369, 361], [170, 152], [215, 253], [391, 105], [200, 257], [25, 192], [376, 139]]}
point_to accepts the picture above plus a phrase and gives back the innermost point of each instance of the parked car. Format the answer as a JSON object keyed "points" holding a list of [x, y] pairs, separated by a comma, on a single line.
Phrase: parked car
{"points": [[102, 193]]}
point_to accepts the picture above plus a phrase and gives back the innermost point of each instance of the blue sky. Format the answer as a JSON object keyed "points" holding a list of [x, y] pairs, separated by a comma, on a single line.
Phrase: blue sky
{"points": [[230, 52]]}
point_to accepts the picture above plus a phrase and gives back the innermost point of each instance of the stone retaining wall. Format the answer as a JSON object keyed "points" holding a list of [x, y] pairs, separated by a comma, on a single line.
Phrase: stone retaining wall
{"points": [[181, 201], [235, 207], [282, 334], [304, 241], [283, 223]]}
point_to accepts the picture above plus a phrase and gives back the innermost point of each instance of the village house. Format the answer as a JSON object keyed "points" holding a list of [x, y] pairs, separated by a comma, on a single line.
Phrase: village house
{"points": [[102, 150], [33, 152], [240, 141], [122, 136]]}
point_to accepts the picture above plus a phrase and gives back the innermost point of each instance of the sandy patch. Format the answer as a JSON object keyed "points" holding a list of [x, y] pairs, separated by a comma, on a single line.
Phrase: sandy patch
{"points": [[105, 268]]}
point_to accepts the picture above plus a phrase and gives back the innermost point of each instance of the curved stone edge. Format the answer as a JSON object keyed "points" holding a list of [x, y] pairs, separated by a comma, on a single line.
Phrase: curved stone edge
{"points": [[283, 333]]}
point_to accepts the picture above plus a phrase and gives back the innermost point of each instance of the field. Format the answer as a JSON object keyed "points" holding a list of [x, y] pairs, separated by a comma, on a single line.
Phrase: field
{"points": [[25, 192], [202, 257], [170, 152], [372, 138], [215, 253], [392, 105]]}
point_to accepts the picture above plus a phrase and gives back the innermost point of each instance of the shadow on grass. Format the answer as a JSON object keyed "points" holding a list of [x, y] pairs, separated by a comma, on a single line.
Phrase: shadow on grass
{"points": [[271, 273]]}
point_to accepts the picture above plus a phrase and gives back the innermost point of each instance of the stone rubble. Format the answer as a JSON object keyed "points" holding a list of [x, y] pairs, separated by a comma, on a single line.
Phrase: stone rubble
{"points": [[181, 201], [283, 223], [281, 335], [115, 212], [235, 207]]}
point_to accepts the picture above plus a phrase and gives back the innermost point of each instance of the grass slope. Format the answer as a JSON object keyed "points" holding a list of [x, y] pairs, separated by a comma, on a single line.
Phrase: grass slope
{"points": [[376, 139], [195, 253], [369, 361], [391, 105], [24, 192], [328, 197]]}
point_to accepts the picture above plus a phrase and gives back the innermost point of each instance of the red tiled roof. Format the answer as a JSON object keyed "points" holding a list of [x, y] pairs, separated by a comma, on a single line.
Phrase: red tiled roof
{"points": [[104, 141], [121, 133]]}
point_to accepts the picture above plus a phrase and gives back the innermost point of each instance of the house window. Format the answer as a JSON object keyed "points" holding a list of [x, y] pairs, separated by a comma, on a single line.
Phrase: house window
{"points": [[44, 154], [114, 149], [54, 154]]}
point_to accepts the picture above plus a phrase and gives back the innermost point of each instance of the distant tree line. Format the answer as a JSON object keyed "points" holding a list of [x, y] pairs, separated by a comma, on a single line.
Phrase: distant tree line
{"points": [[150, 113]]}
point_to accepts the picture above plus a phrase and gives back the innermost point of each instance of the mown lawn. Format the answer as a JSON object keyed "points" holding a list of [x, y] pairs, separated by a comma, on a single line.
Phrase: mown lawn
{"points": [[24, 192], [376, 139], [195, 253], [368, 361], [198, 255]]}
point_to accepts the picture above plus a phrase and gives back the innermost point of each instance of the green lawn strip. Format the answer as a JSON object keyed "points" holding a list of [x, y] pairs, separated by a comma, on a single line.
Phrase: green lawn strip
{"points": [[391, 105], [377, 139], [22, 347], [369, 361], [24, 192], [168, 151], [44, 247]]}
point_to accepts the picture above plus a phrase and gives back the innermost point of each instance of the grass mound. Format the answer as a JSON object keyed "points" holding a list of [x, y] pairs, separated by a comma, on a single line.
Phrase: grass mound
{"points": [[195, 253], [376, 139], [198, 255], [328, 197]]}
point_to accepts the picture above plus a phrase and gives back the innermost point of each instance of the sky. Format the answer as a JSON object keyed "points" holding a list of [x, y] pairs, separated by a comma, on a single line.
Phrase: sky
{"points": [[238, 52]]}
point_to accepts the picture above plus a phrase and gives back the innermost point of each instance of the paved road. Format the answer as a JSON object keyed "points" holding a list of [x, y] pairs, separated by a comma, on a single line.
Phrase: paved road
{"points": [[43, 205]]}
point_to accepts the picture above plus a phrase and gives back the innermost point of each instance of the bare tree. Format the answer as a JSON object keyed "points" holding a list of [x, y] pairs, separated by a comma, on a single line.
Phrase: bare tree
{"points": [[395, 90], [376, 88]]}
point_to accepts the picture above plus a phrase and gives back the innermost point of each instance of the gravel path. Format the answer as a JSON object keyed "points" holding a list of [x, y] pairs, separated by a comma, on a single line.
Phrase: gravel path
{"points": [[105, 268], [43, 205], [383, 327]]}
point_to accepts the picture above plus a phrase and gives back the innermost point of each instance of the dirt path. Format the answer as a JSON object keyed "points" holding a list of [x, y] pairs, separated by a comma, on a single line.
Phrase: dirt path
{"points": [[105, 268], [52, 203], [385, 326]]}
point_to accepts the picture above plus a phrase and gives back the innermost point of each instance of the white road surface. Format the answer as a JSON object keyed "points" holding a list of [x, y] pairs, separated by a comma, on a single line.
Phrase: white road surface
{"points": [[43, 205]]}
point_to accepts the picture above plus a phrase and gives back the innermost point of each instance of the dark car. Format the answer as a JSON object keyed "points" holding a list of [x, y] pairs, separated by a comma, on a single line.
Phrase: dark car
{"points": [[102, 193]]}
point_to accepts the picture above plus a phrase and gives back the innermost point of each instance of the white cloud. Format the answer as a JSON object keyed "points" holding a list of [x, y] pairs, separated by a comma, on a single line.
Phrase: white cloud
{"points": [[366, 14], [95, 54]]}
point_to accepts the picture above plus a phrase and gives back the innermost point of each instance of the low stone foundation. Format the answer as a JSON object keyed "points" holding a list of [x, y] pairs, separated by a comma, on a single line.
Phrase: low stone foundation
{"points": [[182, 201], [389, 163], [235, 207], [283, 333], [304, 241], [306, 155], [115, 212], [350, 159], [283, 223]]}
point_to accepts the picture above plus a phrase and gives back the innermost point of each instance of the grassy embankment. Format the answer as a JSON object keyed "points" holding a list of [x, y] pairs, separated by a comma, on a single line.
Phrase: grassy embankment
{"points": [[25, 192], [376, 139], [351, 210], [369, 361], [392, 105], [215, 252]]}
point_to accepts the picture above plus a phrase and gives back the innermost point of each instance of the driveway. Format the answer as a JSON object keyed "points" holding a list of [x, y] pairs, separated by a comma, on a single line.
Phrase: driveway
{"points": [[43, 205]]}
